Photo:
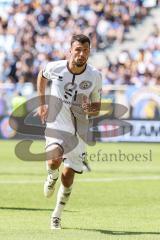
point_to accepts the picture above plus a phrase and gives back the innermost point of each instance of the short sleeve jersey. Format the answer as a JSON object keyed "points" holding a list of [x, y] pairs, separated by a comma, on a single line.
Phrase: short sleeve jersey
{"points": [[68, 89]]}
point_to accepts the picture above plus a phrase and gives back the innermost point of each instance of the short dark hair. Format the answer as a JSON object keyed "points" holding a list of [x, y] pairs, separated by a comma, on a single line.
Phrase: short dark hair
{"points": [[80, 38]]}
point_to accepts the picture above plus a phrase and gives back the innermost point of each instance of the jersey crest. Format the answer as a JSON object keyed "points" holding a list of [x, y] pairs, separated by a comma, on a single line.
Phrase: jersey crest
{"points": [[85, 85]]}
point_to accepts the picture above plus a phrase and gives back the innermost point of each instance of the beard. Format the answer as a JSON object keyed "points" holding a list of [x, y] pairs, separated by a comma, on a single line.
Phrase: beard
{"points": [[80, 63]]}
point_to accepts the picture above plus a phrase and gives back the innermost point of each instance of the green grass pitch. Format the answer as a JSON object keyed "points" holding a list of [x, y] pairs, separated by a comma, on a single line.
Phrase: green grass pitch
{"points": [[117, 200]]}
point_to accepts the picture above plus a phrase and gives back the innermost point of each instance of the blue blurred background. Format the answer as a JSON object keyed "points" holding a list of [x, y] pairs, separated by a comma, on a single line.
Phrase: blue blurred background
{"points": [[125, 38]]}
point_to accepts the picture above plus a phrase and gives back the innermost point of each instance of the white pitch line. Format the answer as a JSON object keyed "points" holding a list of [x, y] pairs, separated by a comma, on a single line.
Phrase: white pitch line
{"points": [[100, 180], [141, 178]]}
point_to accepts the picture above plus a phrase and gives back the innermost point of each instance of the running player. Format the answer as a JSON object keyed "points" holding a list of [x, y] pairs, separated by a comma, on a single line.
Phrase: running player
{"points": [[76, 94]]}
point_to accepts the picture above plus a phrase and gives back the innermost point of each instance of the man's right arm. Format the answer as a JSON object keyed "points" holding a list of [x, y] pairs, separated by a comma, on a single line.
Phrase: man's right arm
{"points": [[41, 86]]}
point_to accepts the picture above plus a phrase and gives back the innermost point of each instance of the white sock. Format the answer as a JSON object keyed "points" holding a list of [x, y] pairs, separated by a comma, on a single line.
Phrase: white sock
{"points": [[54, 173], [62, 198]]}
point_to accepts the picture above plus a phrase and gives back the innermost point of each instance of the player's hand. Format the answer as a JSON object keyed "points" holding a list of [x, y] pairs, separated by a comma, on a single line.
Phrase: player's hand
{"points": [[42, 112], [91, 109]]}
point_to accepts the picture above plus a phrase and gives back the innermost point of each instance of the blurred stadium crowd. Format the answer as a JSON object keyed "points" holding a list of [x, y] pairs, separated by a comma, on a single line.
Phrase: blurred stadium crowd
{"points": [[139, 67], [35, 32]]}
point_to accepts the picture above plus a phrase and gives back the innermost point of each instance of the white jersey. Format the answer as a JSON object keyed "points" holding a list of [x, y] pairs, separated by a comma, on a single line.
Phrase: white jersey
{"points": [[68, 89]]}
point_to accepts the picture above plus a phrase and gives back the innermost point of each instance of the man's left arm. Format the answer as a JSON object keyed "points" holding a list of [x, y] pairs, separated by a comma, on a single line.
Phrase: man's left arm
{"points": [[92, 105]]}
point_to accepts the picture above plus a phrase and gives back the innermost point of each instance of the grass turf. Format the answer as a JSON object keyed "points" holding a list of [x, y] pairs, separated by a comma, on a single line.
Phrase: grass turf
{"points": [[112, 202]]}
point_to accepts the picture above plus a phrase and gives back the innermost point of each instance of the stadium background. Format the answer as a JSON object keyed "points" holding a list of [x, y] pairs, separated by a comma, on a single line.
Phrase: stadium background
{"points": [[120, 199], [125, 39]]}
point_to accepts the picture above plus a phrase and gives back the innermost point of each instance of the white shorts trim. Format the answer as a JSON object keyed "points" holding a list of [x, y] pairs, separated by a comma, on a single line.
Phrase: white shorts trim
{"points": [[72, 159]]}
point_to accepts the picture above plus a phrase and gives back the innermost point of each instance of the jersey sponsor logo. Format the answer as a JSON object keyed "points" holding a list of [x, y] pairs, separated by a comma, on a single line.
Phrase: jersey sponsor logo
{"points": [[69, 88], [85, 85]]}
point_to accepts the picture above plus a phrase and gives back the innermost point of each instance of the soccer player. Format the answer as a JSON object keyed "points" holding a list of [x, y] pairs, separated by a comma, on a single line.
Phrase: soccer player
{"points": [[76, 89]]}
